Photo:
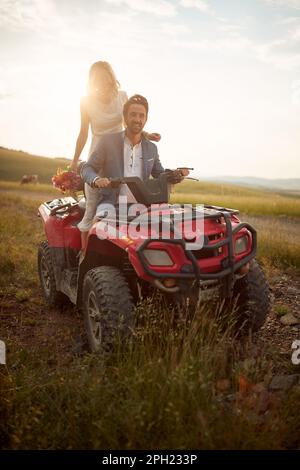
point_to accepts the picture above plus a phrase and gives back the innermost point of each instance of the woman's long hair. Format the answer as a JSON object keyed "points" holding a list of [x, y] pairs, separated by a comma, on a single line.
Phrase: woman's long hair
{"points": [[95, 73]]}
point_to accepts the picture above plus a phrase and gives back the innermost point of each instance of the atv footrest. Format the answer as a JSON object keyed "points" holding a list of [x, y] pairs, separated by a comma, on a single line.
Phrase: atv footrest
{"points": [[69, 284]]}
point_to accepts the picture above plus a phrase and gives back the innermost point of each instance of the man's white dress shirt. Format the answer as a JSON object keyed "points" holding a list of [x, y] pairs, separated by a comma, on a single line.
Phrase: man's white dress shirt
{"points": [[133, 166]]}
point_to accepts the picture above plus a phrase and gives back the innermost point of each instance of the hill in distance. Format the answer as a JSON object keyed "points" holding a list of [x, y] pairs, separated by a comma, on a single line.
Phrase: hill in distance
{"points": [[284, 184], [15, 163]]}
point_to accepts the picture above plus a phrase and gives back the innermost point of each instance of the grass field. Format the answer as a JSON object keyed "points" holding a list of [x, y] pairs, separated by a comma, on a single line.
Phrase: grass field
{"points": [[246, 200], [182, 382]]}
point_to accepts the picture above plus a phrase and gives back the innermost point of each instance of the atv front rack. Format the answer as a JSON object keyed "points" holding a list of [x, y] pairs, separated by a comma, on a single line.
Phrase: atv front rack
{"points": [[229, 265], [61, 205]]}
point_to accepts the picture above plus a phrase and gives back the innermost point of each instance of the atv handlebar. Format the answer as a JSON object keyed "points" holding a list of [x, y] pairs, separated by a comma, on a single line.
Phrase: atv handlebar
{"points": [[172, 176], [184, 168], [151, 191]]}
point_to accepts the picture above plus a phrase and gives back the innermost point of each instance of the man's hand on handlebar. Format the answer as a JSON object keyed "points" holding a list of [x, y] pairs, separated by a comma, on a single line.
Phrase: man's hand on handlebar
{"points": [[184, 171], [176, 176], [101, 183]]}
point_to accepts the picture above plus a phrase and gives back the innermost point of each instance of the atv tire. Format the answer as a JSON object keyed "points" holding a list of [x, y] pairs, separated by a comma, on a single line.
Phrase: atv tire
{"points": [[252, 300], [47, 278], [108, 308]]}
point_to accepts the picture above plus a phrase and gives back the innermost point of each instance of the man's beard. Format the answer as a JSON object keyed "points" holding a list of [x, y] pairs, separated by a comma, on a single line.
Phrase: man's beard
{"points": [[135, 129]]}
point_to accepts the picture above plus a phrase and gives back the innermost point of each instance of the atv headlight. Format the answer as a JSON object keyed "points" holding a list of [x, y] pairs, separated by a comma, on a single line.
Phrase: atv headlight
{"points": [[158, 258], [241, 245]]}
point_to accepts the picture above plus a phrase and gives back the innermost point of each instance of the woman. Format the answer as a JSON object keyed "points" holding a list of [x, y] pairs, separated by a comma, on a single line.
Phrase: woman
{"points": [[102, 110]]}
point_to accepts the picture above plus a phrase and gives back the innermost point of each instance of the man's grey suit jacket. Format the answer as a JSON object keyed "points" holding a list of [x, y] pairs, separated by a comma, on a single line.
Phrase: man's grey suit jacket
{"points": [[107, 161]]}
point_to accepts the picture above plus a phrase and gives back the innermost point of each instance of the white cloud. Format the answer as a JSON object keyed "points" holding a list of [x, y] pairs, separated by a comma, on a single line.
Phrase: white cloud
{"points": [[231, 44], [283, 52], [296, 34], [280, 53], [293, 28], [172, 29], [284, 3], [155, 7], [290, 20], [200, 5], [42, 19], [230, 28], [33, 15]]}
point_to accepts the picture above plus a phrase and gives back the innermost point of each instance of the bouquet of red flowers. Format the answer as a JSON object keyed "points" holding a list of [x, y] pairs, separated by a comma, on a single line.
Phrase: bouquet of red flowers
{"points": [[67, 181]]}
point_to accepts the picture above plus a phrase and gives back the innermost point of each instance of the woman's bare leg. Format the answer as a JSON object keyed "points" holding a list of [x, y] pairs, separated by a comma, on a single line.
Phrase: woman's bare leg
{"points": [[84, 236], [92, 197]]}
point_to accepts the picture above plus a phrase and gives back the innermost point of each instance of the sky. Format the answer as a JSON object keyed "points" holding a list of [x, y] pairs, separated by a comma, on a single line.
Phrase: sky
{"points": [[222, 77]]}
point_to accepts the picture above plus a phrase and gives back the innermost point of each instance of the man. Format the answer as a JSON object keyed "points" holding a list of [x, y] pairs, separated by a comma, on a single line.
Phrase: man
{"points": [[126, 153]]}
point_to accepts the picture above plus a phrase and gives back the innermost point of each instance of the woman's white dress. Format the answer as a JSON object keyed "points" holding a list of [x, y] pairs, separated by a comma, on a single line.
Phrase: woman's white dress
{"points": [[104, 119]]}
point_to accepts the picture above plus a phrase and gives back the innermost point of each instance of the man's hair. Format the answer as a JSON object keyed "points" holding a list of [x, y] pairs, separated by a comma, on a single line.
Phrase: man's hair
{"points": [[135, 99]]}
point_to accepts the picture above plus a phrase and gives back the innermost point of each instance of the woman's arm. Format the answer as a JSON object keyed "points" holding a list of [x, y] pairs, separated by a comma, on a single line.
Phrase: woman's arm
{"points": [[82, 136]]}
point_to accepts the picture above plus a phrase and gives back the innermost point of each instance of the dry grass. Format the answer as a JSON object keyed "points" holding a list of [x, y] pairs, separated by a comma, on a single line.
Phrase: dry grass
{"points": [[278, 241], [246, 200], [28, 188], [160, 391]]}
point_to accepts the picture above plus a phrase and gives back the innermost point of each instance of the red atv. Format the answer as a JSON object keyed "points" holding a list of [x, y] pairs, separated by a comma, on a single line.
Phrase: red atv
{"points": [[118, 269]]}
